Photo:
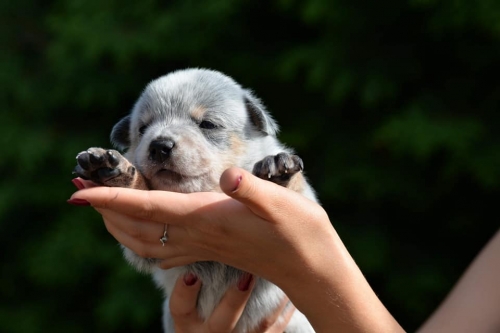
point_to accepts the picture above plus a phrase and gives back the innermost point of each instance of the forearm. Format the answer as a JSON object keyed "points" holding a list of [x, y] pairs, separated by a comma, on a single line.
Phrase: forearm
{"points": [[335, 296], [473, 304]]}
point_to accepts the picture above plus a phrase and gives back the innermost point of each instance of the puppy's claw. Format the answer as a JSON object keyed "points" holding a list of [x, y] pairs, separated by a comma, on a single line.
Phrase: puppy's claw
{"points": [[278, 168]]}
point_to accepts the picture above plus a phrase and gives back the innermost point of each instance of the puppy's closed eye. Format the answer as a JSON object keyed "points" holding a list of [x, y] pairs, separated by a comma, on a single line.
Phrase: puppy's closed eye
{"points": [[205, 124], [143, 129]]}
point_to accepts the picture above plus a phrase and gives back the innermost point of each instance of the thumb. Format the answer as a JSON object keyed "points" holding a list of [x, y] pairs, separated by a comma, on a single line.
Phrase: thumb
{"points": [[264, 198]]}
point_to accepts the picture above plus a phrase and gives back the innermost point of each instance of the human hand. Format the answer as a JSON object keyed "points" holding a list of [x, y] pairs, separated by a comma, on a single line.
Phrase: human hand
{"points": [[226, 314], [225, 317], [268, 230], [258, 227]]}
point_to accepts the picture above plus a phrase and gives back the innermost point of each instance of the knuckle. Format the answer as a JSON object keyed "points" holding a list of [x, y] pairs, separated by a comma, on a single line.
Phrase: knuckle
{"points": [[266, 324], [178, 313], [146, 211], [215, 229]]}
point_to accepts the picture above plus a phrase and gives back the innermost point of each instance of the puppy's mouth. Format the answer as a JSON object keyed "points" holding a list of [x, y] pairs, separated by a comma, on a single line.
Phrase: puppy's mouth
{"points": [[175, 175], [170, 174]]}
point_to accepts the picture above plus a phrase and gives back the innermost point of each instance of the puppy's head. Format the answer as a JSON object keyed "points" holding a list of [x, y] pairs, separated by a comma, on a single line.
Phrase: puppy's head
{"points": [[188, 127]]}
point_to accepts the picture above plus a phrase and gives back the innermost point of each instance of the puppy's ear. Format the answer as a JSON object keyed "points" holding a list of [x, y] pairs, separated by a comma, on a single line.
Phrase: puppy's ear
{"points": [[120, 133], [259, 117]]}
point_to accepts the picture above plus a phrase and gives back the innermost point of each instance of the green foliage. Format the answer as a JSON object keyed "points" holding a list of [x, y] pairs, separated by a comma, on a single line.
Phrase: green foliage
{"points": [[393, 106]]}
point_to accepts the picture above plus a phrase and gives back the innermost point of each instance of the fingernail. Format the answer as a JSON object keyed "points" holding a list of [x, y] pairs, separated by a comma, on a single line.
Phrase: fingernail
{"points": [[78, 202], [245, 281], [190, 279], [238, 181], [79, 185]]}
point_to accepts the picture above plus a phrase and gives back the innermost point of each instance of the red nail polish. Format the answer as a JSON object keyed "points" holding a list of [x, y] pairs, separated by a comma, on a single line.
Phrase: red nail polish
{"points": [[245, 281], [79, 185], [78, 202], [238, 181], [190, 279]]}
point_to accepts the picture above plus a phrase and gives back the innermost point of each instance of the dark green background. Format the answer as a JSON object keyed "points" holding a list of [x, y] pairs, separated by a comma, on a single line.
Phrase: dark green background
{"points": [[393, 106]]}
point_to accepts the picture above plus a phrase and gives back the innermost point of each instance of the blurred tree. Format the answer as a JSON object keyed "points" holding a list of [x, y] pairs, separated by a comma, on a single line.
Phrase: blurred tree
{"points": [[393, 106]]}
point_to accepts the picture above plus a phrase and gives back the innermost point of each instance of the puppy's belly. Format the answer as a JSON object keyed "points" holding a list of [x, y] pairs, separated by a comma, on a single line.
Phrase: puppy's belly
{"points": [[216, 279]]}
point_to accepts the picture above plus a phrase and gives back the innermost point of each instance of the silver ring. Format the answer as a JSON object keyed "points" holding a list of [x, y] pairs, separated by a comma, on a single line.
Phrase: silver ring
{"points": [[164, 238]]}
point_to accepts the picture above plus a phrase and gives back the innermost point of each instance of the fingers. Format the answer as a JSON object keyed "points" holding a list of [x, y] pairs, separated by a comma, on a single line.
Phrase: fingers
{"points": [[278, 320], [157, 206], [228, 312], [183, 304], [142, 230], [140, 237], [225, 316], [143, 237], [263, 197], [287, 316], [82, 183]]}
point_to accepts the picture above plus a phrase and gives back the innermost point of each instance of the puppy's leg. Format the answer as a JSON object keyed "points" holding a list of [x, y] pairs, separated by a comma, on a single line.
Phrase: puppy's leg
{"points": [[108, 168], [283, 169]]}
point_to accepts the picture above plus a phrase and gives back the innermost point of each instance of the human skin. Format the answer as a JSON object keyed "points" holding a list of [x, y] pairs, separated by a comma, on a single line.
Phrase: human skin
{"points": [[272, 232], [225, 316], [473, 305], [255, 226]]}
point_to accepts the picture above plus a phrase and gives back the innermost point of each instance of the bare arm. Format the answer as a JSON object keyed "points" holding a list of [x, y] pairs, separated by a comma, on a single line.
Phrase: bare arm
{"points": [[474, 303], [267, 230]]}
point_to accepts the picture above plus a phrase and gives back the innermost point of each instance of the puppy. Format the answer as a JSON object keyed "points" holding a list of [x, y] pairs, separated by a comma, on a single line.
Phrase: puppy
{"points": [[185, 129]]}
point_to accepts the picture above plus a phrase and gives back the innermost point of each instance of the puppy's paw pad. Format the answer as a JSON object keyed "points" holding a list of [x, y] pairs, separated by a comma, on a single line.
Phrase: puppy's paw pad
{"points": [[95, 158], [99, 165], [278, 167]]}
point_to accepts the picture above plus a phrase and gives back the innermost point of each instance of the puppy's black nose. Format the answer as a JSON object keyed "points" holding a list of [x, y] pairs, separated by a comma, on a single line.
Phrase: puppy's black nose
{"points": [[159, 150]]}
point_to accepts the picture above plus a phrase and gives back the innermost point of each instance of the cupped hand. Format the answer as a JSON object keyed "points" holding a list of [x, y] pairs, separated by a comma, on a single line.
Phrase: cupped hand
{"points": [[256, 226]]}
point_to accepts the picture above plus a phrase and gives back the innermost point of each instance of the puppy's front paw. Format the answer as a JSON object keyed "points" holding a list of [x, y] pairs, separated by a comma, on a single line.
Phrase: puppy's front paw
{"points": [[278, 168], [105, 167]]}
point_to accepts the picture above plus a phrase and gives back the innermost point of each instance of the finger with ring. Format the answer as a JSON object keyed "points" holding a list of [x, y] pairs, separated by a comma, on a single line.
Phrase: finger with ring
{"points": [[164, 238]]}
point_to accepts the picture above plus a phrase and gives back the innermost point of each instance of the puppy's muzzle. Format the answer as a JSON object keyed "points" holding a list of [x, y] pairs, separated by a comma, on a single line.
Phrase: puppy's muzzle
{"points": [[160, 150]]}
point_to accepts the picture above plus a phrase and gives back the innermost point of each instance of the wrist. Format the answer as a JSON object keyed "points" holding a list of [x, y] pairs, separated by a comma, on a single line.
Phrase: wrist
{"points": [[334, 295]]}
